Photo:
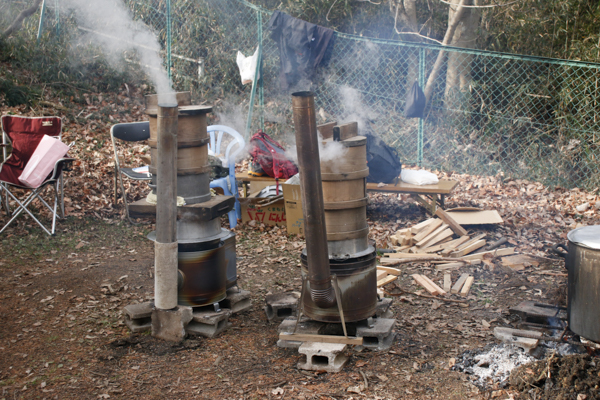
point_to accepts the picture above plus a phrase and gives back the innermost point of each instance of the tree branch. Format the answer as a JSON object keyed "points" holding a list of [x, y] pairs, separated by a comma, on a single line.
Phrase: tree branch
{"points": [[16, 25], [486, 6]]}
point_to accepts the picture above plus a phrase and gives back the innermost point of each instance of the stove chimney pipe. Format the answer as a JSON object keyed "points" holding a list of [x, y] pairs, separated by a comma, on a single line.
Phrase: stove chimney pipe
{"points": [[319, 273]]}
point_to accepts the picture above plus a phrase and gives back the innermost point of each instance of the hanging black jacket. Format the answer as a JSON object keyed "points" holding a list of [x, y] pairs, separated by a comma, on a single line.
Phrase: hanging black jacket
{"points": [[302, 48]]}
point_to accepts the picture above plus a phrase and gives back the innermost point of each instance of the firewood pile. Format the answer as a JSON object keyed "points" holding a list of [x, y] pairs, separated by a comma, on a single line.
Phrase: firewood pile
{"points": [[446, 244]]}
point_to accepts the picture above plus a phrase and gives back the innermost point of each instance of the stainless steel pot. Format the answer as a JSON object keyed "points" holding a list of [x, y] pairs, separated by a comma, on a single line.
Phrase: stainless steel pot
{"points": [[583, 263]]}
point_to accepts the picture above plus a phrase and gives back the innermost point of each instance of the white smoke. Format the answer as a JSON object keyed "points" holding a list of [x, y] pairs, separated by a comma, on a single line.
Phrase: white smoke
{"points": [[110, 25], [354, 108]]}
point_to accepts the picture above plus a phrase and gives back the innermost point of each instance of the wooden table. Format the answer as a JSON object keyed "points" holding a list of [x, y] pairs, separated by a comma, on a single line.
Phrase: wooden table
{"points": [[428, 195], [245, 180]]}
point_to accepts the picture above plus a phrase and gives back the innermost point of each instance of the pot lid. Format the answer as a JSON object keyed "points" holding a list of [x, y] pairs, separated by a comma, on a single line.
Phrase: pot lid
{"points": [[586, 236]]}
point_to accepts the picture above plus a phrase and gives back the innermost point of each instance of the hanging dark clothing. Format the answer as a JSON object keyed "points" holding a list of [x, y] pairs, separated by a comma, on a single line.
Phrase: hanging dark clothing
{"points": [[302, 48]]}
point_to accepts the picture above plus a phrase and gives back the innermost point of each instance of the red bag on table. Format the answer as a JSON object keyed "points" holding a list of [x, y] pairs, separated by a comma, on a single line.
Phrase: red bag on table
{"points": [[270, 155]]}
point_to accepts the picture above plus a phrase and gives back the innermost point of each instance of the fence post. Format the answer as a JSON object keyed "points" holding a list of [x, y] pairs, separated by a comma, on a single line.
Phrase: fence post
{"points": [[169, 39], [41, 25], [421, 83], [261, 87]]}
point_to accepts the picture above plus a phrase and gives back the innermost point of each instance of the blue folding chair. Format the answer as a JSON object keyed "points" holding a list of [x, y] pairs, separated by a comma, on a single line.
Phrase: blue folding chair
{"points": [[234, 143]]}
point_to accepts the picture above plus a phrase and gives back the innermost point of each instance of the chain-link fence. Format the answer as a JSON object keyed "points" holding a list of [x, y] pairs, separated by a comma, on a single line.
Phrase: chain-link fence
{"points": [[526, 117]]}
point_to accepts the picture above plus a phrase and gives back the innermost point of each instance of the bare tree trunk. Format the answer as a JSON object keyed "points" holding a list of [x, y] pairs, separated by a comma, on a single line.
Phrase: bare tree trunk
{"points": [[459, 14], [458, 75], [16, 25]]}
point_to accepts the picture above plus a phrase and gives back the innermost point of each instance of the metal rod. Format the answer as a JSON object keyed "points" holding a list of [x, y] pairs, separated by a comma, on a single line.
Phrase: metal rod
{"points": [[319, 274], [338, 296]]}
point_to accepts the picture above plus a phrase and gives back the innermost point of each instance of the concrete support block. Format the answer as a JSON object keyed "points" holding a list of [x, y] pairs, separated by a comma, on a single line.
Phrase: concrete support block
{"points": [[170, 324], [383, 308], [379, 336], [305, 326], [138, 317], [281, 305], [209, 323], [237, 300], [327, 357]]}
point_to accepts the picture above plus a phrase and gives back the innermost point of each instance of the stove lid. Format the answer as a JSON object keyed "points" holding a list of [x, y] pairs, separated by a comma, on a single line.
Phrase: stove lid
{"points": [[586, 236]]}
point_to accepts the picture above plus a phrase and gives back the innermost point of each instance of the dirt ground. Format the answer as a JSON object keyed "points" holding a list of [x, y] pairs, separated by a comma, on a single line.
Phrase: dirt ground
{"points": [[62, 331]]}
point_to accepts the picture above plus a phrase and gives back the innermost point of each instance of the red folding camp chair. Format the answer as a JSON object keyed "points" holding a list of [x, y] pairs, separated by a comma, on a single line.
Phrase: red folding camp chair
{"points": [[23, 134]]}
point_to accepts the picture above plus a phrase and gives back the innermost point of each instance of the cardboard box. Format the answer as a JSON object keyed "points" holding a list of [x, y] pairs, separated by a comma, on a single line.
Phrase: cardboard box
{"points": [[273, 214], [293, 209]]}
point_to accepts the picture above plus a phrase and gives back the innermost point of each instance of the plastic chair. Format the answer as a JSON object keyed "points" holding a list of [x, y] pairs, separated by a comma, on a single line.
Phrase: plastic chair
{"points": [[235, 144], [24, 134], [128, 132]]}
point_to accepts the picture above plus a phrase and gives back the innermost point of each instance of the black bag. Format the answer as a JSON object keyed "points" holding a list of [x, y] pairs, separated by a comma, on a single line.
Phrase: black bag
{"points": [[415, 102], [382, 160]]}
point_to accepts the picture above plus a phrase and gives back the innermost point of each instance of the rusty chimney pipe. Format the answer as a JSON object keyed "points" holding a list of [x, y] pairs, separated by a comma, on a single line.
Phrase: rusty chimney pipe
{"points": [[319, 274]]}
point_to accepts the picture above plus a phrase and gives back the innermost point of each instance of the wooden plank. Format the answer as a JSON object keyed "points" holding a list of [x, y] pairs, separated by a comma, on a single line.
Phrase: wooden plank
{"points": [[347, 131], [496, 253], [386, 280], [326, 130], [467, 286], [442, 187], [410, 255], [476, 217], [430, 228], [519, 261], [432, 283], [469, 249], [472, 240], [381, 274], [400, 249], [445, 234], [459, 283], [421, 225], [432, 235], [449, 266], [447, 282], [444, 244], [425, 284], [297, 337], [455, 226], [389, 270]]}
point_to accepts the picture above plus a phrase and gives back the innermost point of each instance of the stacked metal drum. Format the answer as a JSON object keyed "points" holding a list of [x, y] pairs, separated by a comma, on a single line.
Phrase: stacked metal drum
{"points": [[352, 263], [206, 252]]}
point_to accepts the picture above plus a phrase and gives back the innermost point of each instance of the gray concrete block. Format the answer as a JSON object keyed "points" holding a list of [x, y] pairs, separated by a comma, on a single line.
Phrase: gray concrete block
{"points": [[237, 300], [383, 308], [208, 323], [378, 337], [170, 324], [281, 305], [138, 317], [327, 357], [305, 326]]}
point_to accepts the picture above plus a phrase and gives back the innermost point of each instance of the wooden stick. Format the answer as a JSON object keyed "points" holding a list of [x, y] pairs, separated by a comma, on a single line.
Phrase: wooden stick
{"points": [[420, 226], [448, 243], [420, 279], [432, 235], [391, 271], [391, 262], [422, 295], [386, 280], [436, 223], [455, 226], [467, 286], [447, 281], [445, 234], [297, 337], [432, 283], [459, 283], [469, 249], [449, 266], [472, 240], [495, 253], [381, 274]]}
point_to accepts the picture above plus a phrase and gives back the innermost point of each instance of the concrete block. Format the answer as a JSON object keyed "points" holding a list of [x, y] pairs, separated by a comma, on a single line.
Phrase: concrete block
{"points": [[281, 305], [170, 324], [379, 336], [327, 357], [383, 308], [305, 326], [208, 323], [237, 300], [138, 317]]}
